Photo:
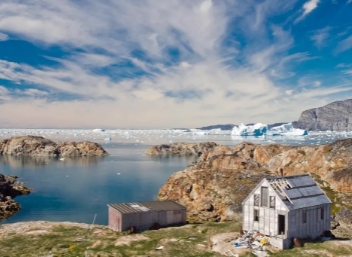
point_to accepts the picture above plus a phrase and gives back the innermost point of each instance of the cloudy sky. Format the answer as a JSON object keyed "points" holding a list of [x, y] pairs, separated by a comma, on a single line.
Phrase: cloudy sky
{"points": [[174, 63]]}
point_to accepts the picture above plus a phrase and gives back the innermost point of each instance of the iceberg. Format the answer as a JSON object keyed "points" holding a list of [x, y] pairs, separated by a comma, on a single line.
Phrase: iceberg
{"points": [[256, 130], [287, 130], [260, 129]]}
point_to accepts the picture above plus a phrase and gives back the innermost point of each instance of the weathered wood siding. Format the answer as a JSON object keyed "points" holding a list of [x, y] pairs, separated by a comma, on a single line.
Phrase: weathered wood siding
{"points": [[314, 226], [144, 220], [114, 219], [268, 217], [294, 226]]}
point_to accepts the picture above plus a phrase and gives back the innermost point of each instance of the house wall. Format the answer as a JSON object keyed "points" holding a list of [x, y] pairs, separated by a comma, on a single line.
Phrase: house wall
{"points": [[114, 219], [145, 220], [314, 226], [268, 217]]}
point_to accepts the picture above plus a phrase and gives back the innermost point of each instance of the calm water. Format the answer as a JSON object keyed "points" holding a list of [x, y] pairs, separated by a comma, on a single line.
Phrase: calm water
{"points": [[77, 189]]}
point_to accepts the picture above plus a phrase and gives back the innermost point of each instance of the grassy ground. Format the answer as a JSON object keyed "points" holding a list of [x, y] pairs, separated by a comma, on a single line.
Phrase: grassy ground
{"points": [[62, 241], [100, 241]]}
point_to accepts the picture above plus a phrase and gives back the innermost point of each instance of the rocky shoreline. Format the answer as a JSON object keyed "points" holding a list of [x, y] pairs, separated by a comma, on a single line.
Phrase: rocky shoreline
{"points": [[40, 146], [214, 188], [9, 189]]}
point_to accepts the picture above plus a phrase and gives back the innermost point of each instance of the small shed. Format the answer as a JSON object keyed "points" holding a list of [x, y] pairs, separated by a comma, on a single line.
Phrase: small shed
{"points": [[144, 215], [287, 207]]}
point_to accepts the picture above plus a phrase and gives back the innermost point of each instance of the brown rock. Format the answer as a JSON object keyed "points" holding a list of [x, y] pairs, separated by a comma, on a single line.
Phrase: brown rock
{"points": [[40, 146], [181, 149], [9, 188], [224, 176]]}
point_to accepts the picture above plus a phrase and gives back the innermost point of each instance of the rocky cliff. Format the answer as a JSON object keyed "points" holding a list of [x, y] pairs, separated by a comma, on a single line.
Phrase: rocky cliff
{"points": [[40, 146], [9, 189], [181, 149], [214, 188], [336, 116]]}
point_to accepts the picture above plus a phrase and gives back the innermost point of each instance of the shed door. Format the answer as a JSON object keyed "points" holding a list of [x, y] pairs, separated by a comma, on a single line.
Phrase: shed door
{"points": [[281, 225]]}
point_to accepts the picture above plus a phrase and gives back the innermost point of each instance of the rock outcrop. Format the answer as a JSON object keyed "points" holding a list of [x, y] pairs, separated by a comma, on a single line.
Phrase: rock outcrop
{"points": [[214, 188], [336, 116], [40, 146], [181, 149], [9, 189]]}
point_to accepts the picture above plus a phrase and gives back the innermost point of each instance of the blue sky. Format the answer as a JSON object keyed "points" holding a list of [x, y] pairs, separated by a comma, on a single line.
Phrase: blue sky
{"points": [[163, 64]]}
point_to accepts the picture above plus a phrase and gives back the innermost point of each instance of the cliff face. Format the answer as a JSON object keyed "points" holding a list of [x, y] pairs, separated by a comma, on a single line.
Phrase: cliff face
{"points": [[9, 189], [39, 146], [336, 116], [214, 188], [181, 149]]}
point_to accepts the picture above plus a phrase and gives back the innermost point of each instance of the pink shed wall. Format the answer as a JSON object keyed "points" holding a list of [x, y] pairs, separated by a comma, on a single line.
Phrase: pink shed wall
{"points": [[115, 219]]}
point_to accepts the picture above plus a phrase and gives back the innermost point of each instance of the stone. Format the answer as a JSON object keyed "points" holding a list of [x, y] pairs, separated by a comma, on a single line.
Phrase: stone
{"points": [[336, 116], [40, 146], [181, 149]]}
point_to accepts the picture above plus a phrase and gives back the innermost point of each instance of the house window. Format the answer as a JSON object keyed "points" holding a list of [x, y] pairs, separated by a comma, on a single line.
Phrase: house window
{"points": [[264, 194], [256, 199], [256, 215], [272, 202], [304, 216], [321, 213]]}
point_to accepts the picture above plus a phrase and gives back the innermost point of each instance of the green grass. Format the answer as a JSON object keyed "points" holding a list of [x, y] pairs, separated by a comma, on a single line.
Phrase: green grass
{"points": [[61, 241]]}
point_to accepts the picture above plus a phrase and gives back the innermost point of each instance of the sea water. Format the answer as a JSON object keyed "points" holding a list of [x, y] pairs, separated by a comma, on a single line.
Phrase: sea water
{"points": [[77, 189]]}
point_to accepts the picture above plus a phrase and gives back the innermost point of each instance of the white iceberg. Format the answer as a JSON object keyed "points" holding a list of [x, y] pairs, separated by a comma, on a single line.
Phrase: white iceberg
{"points": [[260, 129], [287, 130], [98, 130], [256, 130]]}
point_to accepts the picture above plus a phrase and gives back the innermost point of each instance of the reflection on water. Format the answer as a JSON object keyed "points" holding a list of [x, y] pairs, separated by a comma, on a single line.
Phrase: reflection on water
{"points": [[36, 161]]}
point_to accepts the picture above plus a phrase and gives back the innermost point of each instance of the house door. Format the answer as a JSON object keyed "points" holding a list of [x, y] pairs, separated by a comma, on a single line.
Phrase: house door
{"points": [[281, 227]]}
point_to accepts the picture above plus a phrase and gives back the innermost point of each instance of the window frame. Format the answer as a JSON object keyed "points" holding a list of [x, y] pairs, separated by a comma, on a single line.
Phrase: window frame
{"points": [[256, 200], [256, 217], [264, 199], [272, 199]]}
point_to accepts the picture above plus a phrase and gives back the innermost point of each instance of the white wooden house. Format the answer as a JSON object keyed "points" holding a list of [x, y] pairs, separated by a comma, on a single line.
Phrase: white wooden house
{"points": [[287, 207]]}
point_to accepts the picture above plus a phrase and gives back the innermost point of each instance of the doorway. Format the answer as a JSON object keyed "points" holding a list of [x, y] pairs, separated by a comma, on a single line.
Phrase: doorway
{"points": [[281, 227]]}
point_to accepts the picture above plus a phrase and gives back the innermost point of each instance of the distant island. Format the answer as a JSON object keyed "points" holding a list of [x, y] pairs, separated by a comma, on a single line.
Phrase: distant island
{"points": [[40, 146]]}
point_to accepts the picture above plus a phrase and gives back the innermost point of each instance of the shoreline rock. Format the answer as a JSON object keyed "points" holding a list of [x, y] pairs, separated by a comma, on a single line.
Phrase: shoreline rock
{"points": [[181, 149], [214, 188], [40, 146], [9, 189]]}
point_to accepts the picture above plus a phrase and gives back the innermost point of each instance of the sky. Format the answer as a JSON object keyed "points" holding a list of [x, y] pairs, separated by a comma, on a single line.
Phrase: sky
{"points": [[166, 64]]}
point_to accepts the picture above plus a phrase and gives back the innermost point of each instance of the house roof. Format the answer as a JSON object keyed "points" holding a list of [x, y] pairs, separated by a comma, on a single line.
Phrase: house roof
{"points": [[298, 191], [147, 206]]}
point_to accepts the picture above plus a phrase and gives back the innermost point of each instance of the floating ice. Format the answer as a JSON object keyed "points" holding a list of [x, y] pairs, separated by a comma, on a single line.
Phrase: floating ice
{"points": [[98, 130], [257, 129], [260, 129]]}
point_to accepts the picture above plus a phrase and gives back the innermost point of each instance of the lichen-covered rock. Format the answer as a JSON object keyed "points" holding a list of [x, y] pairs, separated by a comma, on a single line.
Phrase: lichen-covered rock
{"points": [[9, 189], [344, 217], [40, 146], [181, 149], [214, 188]]}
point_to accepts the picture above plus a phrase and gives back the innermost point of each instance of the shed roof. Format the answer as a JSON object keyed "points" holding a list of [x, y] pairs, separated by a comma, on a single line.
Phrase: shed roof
{"points": [[298, 191], [147, 206]]}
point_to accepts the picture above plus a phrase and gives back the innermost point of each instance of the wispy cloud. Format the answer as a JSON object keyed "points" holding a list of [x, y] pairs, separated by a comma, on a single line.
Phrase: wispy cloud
{"points": [[3, 37], [155, 63], [321, 36], [344, 45], [307, 8]]}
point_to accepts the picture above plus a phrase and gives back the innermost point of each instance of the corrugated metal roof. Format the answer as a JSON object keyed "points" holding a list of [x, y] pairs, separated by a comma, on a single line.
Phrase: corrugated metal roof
{"points": [[300, 191], [147, 206]]}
